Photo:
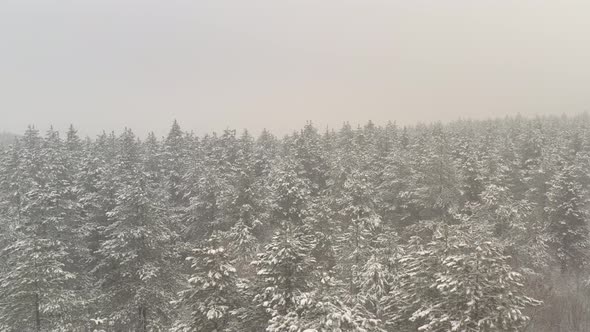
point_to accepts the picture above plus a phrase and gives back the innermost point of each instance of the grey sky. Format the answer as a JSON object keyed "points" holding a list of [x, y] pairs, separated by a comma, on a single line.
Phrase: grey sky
{"points": [[106, 64]]}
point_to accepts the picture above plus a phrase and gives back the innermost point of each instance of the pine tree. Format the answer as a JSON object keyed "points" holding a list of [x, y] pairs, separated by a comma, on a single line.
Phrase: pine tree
{"points": [[284, 273], [567, 218], [265, 152], [212, 295], [39, 288], [357, 211], [289, 197], [375, 284], [310, 158], [395, 194], [96, 197], [241, 204], [174, 161], [459, 280], [435, 181], [136, 276]]}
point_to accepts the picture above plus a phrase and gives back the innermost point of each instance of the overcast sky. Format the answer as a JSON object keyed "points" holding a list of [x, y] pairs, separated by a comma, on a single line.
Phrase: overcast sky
{"points": [[107, 64]]}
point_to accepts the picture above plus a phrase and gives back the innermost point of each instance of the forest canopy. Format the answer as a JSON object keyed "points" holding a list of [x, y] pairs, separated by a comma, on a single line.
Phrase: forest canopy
{"points": [[465, 226]]}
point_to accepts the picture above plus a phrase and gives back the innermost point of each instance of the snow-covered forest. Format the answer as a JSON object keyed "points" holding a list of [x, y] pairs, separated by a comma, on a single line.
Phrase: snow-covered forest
{"points": [[466, 226]]}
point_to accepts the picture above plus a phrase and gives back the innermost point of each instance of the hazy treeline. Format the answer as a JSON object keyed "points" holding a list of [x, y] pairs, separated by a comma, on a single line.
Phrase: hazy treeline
{"points": [[468, 226], [6, 139]]}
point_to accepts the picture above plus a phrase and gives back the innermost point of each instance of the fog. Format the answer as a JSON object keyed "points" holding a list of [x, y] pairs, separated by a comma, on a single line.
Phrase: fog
{"points": [[107, 64]]}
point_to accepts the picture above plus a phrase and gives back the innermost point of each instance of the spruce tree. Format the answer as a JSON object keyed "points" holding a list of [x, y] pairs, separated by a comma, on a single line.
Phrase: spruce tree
{"points": [[212, 295], [39, 287], [568, 215], [136, 281]]}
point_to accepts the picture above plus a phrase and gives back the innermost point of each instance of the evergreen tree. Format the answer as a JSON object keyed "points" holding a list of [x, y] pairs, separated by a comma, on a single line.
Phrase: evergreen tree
{"points": [[136, 276], [567, 218], [212, 295], [39, 287], [436, 184], [174, 161], [284, 274], [459, 280], [310, 158]]}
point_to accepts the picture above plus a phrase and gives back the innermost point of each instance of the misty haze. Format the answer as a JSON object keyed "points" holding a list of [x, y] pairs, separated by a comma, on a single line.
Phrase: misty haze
{"points": [[294, 166]]}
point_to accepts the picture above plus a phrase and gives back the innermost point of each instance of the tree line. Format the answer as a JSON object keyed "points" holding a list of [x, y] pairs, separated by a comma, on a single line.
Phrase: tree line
{"points": [[466, 226]]}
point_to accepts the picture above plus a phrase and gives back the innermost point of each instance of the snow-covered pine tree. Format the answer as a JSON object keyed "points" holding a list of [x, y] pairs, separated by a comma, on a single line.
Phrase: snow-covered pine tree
{"points": [[137, 281], [469, 167], [151, 156], [174, 161], [375, 285], [211, 187], [324, 313], [514, 224], [289, 196], [284, 273], [436, 185], [395, 196], [96, 196], [244, 203], [242, 206], [357, 212], [212, 294], [459, 280], [265, 151], [568, 214], [310, 158], [39, 289], [9, 205]]}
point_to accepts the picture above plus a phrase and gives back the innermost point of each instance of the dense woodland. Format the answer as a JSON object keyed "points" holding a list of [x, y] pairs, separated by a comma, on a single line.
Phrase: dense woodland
{"points": [[466, 226]]}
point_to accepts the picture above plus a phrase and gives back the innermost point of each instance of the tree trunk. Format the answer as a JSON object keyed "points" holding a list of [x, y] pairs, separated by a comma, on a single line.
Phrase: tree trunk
{"points": [[143, 319], [37, 314]]}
